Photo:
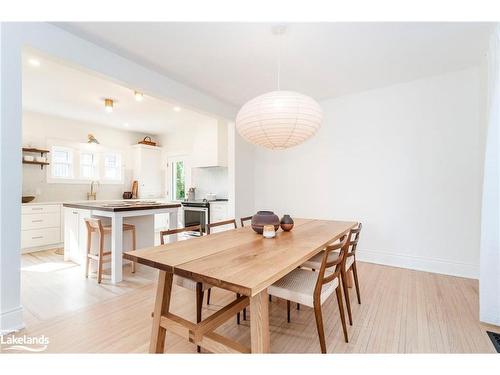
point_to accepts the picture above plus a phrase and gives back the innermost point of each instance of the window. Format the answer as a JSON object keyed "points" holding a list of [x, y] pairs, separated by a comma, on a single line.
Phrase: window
{"points": [[62, 162], [178, 180], [79, 163], [88, 166], [112, 167]]}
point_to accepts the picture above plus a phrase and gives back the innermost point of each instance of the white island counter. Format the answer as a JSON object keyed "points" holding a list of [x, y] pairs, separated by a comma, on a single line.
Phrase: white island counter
{"points": [[139, 213]]}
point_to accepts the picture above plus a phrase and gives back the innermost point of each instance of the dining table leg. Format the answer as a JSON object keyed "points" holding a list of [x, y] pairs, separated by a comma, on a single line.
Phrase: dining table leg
{"points": [[259, 323], [162, 303]]}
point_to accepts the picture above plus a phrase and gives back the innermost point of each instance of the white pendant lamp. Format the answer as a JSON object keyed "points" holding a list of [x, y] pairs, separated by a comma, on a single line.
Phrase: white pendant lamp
{"points": [[279, 119]]}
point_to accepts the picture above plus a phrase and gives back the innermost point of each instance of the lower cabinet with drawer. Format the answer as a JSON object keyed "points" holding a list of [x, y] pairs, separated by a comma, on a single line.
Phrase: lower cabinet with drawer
{"points": [[40, 227], [40, 237], [218, 212]]}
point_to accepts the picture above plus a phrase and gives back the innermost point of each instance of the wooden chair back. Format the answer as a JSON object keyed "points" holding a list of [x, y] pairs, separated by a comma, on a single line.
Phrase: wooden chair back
{"points": [[353, 242], [338, 263], [94, 225], [221, 223], [169, 232], [243, 219]]}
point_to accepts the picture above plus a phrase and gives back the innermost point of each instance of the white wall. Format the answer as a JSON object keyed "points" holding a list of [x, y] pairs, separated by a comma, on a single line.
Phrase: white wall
{"points": [[39, 128], [405, 160], [489, 282], [57, 43], [245, 178]]}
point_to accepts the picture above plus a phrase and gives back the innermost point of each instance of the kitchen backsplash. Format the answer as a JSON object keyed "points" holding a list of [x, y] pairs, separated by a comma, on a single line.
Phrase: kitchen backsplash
{"points": [[210, 180], [35, 184]]}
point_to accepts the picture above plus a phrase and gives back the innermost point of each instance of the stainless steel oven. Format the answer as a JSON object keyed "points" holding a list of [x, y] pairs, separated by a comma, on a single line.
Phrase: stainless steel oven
{"points": [[196, 212]]}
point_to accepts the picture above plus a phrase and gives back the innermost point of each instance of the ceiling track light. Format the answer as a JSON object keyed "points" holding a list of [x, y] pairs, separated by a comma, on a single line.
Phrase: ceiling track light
{"points": [[139, 96], [108, 105]]}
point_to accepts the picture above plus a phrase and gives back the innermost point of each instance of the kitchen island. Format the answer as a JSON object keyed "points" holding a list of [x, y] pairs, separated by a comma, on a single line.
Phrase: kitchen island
{"points": [[139, 213]]}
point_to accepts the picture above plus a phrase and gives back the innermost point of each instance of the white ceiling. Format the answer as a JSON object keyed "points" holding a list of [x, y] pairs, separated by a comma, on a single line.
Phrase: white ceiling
{"points": [[237, 61], [59, 89]]}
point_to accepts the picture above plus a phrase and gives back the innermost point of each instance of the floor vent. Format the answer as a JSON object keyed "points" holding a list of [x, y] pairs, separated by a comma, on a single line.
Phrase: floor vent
{"points": [[495, 338]]}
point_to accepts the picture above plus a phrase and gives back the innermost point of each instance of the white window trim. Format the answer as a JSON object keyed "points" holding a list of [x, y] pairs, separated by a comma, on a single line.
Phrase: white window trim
{"points": [[95, 165], [71, 164], [77, 149], [170, 176]]}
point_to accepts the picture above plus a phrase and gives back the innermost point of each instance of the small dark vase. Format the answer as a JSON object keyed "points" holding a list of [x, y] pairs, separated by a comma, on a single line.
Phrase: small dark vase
{"points": [[286, 223], [262, 218], [127, 195]]}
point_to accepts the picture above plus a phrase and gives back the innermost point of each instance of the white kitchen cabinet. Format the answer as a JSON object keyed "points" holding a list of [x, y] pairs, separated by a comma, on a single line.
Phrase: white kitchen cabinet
{"points": [[210, 145], [75, 236], [40, 227], [31, 239], [218, 212], [148, 170], [38, 221]]}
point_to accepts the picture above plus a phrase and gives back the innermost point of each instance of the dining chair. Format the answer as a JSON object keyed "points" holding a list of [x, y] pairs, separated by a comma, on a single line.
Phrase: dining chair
{"points": [[350, 263], [313, 288], [198, 287], [214, 225], [244, 219], [231, 222], [94, 225], [210, 226]]}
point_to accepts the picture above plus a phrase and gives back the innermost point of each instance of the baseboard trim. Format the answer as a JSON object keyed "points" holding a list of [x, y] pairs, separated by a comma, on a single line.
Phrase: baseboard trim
{"points": [[412, 262], [11, 321], [28, 250], [490, 319]]}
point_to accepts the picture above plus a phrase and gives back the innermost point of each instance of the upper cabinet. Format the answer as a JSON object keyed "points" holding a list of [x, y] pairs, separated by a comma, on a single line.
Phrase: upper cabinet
{"points": [[210, 145], [148, 170]]}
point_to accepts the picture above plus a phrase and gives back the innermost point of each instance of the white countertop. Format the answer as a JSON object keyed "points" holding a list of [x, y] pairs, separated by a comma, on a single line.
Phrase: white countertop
{"points": [[37, 203]]}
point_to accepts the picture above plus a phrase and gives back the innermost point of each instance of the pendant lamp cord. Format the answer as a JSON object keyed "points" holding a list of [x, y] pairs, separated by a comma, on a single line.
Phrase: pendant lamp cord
{"points": [[279, 58]]}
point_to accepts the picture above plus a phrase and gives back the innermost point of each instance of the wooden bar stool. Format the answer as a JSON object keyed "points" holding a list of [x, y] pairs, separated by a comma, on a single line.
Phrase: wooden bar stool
{"points": [[95, 226]]}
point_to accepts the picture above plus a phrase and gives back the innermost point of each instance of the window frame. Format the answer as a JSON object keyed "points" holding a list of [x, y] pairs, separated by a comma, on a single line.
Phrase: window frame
{"points": [[76, 151], [71, 164], [94, 166], [172, 163]]}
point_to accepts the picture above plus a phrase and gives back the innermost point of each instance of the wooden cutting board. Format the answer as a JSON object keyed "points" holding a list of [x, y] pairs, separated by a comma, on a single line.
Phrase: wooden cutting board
{"points": [[135, 188]]}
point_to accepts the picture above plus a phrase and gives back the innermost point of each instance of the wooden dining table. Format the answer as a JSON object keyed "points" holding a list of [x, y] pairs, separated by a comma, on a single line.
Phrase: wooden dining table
{"points": [[238, 260]]}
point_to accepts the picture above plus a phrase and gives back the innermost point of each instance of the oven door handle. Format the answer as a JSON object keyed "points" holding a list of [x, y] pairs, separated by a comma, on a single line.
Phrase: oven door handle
{"points": [[198, 209]]}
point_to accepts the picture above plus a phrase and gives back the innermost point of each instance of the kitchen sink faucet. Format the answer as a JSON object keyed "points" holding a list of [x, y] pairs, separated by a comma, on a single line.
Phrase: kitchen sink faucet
{"points": [[93, 191]]}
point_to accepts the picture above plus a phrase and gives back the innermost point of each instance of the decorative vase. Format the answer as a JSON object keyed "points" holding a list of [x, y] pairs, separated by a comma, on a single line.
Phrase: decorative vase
{"points": [[262, 218], [286, 223]]}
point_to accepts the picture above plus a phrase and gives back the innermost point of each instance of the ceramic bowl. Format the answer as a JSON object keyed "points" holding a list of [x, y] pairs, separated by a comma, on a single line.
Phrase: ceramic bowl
{"points": [[262, 218]]}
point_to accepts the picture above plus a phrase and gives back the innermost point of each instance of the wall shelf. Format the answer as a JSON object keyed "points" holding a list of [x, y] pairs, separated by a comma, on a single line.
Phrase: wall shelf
{"points": [[36, 150], [40, 163]]}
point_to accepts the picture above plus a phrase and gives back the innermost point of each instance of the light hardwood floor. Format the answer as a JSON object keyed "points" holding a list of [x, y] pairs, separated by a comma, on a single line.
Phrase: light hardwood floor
{"points": [[402, 311]]}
